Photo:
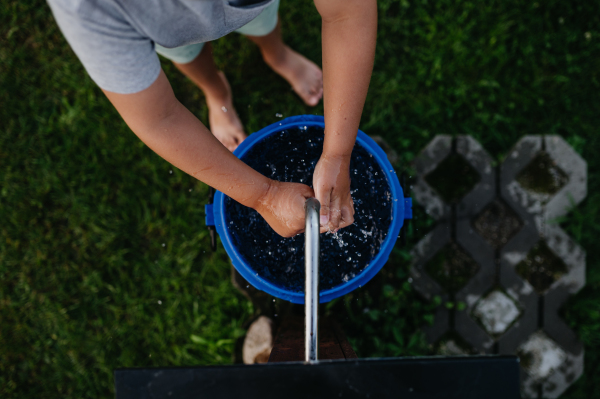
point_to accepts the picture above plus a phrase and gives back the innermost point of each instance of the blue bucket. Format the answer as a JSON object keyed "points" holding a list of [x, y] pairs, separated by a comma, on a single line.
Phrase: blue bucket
{"points": [[401, 209]]}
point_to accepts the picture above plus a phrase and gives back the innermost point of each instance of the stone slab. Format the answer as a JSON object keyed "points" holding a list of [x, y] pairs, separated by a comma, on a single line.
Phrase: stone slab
{"points": [[426, 162], [485, 190], [576, 169]]}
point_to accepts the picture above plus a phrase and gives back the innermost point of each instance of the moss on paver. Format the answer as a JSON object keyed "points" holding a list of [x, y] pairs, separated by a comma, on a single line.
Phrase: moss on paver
{"points": [[541, 267], [542, 175], [453, 178], [452, 268]]}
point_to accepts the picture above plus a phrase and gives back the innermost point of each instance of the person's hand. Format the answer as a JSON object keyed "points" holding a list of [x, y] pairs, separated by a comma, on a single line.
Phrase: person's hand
{"points": [[282, 207], [331, 181]]}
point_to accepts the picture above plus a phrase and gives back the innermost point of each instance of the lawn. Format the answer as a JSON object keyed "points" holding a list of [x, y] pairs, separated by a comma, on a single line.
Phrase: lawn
{"points": [[105, 261]]}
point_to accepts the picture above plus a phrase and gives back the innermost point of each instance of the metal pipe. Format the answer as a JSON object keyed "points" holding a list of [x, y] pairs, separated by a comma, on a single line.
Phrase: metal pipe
{"points": [[311, 284]]}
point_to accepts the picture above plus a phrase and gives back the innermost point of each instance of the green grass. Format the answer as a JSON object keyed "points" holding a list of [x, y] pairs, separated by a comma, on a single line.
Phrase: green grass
{"points": [[85, 207]]}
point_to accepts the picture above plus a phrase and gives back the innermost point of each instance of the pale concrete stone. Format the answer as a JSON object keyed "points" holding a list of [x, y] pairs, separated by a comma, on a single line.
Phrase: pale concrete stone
{"points": [[485, 190], [259, 341], [434, 153], [543, 356], [451, 348], [497, 312]]}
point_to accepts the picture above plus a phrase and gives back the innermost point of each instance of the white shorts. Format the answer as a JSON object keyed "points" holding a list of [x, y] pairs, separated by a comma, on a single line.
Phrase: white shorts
{"points": [[262, 25]]}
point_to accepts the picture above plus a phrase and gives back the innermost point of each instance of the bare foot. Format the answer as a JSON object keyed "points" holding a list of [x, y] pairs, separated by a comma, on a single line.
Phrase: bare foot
{"points": [[224, 122], [304, 75]]}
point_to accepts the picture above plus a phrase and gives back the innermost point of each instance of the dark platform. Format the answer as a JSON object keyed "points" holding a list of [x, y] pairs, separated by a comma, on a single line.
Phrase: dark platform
{"points": [[289, 343], [473, 377]]}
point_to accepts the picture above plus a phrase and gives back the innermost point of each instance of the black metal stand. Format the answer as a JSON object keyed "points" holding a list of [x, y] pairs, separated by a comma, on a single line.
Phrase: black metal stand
{"points": [[489, 377]]}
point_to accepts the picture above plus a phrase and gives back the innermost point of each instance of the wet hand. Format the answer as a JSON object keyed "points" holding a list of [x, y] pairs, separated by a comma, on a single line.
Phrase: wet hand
{"points": [[282, 207], [331, 182]]}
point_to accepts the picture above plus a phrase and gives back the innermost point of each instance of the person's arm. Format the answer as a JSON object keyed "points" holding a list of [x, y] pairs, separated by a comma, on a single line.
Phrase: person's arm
{"points": [[349, 33], [174, 133]]}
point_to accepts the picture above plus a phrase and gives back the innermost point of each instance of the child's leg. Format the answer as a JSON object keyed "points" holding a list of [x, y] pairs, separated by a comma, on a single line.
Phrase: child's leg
{"points": [[224, 121], [305, 77]]}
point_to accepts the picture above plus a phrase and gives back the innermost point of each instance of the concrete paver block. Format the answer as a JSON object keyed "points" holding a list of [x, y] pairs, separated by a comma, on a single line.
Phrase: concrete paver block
{"points": [[485, 190], [516, 317], [497, 312], [576, 169], [422, 253], [434, 153]]}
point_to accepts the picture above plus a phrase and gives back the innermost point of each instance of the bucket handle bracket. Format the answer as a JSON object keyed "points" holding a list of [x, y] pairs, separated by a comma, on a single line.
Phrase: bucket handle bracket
{"points": [[210, 219]]}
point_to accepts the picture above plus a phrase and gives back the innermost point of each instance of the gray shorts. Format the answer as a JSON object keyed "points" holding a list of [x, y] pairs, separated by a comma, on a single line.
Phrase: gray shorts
{"points": [[259, 26]]}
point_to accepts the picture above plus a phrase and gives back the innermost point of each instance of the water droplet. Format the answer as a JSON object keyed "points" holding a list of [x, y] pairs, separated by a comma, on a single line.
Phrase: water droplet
{"points": [[159, 302]]}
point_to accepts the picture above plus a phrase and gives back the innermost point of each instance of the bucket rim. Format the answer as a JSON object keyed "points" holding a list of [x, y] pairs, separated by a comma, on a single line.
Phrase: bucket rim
{"points": [[374, 265]]}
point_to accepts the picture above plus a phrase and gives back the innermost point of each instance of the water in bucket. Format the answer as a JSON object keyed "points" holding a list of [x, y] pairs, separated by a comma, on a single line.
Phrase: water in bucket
{"points": [[288, 151], [291, 156]]}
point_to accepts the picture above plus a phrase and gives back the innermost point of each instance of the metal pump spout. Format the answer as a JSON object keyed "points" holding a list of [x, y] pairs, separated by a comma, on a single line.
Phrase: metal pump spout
{"points": [[311, 285]]}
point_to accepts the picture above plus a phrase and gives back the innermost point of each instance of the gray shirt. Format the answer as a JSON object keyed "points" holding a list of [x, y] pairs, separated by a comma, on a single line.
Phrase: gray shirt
{"points": [[114, 39]]}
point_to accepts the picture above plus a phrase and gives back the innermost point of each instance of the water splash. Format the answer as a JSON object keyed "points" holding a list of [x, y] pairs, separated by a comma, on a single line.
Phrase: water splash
{"points": [[345, 253]]}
